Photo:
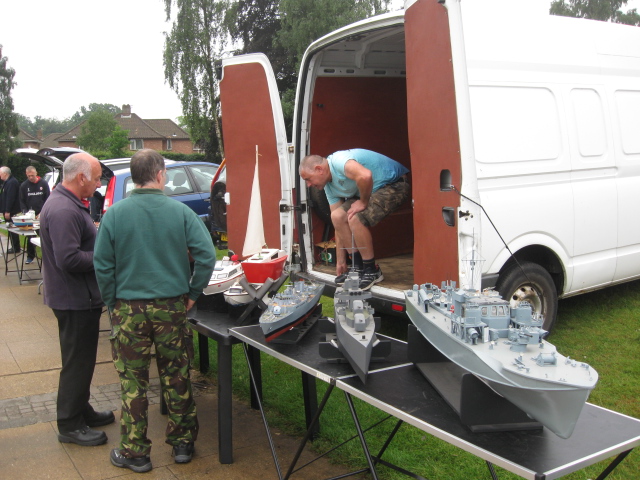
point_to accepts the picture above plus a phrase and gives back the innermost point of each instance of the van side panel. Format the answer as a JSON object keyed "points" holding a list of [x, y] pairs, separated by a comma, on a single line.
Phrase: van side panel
{"points": [[433, 139], [247, 121], [366, 112]]}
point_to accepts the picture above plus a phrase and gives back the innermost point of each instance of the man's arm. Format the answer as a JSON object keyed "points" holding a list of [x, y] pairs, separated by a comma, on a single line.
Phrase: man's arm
{"points": [[364, 180], [104, 263]]}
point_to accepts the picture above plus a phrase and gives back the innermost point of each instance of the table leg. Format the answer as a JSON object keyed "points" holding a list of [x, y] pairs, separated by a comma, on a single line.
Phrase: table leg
{"points": [[225, 424], [203, 349], [310, 396], [365, 448], [256, 368]]}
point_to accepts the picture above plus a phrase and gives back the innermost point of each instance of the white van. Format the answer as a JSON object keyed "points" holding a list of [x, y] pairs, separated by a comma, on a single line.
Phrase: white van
{"points": [[495, 103]]}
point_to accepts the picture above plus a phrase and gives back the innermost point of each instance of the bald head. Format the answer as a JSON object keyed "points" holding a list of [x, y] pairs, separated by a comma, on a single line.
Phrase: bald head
{"points": [[81, 174]]}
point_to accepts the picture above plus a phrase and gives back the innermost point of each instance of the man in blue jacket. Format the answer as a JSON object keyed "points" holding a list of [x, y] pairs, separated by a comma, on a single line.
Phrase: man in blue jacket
{"points": [[71, 291], [142, 264]]}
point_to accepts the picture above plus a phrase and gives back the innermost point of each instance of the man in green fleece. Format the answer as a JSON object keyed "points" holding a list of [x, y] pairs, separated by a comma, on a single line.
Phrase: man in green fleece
{"points": [[141, 261]]}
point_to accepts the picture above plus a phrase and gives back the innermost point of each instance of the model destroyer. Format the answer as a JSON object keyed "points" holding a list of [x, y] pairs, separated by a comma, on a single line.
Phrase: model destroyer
{"points": [[355, 327], [505, 347], [289, 308]]}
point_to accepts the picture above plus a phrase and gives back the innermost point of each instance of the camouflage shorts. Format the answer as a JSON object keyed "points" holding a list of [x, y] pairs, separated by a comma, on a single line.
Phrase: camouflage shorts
{"points": [[137, 325], [382, 202]]}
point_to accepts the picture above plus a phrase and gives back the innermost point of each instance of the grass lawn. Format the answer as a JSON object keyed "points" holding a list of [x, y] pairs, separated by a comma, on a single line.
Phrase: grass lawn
{"points": [[601, 328]]}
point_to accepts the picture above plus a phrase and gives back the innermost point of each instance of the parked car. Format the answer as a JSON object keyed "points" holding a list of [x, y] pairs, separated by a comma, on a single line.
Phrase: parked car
{"points": [[53, 158], [187, 182]]}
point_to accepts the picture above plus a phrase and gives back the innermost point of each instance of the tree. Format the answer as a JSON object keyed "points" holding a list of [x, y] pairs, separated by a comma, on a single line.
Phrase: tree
{"points": [[8, 119], [605, 10], [199, 35], [118, 142], [97, 131]]}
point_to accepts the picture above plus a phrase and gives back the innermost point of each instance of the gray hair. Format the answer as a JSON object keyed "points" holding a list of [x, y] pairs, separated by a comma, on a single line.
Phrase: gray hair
{"points": [[31, 168], [145, 164], [6, 170], [309, 162], [75, 164]]}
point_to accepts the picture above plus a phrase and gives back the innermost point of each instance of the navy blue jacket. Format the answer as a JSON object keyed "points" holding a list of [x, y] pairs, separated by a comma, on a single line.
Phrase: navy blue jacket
{"points": [[67, 236]]}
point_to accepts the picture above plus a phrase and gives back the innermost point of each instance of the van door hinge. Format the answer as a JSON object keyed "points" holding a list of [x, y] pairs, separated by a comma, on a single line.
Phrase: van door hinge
{"points": [[297, 208]]}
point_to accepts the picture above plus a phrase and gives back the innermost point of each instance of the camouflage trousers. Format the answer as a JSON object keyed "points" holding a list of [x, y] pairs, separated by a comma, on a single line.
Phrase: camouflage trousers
{"points": [[136, 325]]}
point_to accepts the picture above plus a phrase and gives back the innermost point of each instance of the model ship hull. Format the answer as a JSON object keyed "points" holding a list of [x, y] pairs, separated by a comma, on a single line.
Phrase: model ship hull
{"points": [[268, 263], [225, 274], [356, 346], [552, 394], [290, 308]]}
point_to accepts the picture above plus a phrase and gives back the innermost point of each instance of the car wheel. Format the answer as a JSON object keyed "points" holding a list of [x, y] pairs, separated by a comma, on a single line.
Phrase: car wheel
{"points": [[529, 281]]}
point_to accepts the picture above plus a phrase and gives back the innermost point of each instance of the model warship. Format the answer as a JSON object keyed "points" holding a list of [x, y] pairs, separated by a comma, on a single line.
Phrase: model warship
{"points": [[289, 308], [355, 327], [505, 347]]}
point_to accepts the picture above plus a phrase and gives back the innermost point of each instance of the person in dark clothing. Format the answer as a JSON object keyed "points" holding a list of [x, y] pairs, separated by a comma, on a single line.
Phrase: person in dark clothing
{"points": [[71, 291], [34, 191], [11, 204]]}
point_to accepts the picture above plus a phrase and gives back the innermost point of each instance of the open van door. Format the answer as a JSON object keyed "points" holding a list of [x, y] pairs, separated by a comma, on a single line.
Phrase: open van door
{"points": [[434, 140], [252, 118]]}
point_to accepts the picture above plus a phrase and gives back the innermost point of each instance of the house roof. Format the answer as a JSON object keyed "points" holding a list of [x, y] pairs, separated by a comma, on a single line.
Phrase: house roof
{"points": [[26, 137], [137, 127], [50, 141]]}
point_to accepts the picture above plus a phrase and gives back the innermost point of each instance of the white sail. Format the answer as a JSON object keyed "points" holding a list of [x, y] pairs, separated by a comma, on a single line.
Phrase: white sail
{"points": [[254, 238]]}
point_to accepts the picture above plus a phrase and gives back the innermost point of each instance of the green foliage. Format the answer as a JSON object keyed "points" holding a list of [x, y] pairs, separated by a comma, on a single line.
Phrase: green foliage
{"points": [[8, 119], [97, 131], [605, 10], [118, 142], [198, 38], [53, 125]]}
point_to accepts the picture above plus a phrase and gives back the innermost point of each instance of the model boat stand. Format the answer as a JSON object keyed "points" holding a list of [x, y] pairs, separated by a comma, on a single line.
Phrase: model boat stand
{"points": [[478, 406], [269, 286]]}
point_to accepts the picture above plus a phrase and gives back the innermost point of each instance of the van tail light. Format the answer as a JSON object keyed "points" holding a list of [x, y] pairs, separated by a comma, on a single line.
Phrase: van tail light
{"points": [[397, 308], [108, 196]]}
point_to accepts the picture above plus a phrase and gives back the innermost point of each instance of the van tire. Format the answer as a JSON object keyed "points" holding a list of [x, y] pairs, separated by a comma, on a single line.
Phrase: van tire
{"points": [[534, 284], [318, 201]]}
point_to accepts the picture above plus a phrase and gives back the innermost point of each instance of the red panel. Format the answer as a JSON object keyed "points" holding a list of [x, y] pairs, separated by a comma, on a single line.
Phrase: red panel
{"points": [[433, 139], [247, 121], [371, 112]]}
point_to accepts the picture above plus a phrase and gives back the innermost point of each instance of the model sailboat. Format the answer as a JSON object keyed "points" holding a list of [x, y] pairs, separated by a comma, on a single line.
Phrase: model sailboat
{"points": [[262, 263]]}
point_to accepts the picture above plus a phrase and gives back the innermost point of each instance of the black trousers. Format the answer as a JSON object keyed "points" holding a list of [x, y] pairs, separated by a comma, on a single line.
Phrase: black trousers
{"points": [[15, 241], [79, 347]]}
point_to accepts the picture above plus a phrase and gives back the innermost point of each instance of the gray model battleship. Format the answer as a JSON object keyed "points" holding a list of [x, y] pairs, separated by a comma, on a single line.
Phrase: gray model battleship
{"points": [[504, 346], [355, 325], [289, 308]]}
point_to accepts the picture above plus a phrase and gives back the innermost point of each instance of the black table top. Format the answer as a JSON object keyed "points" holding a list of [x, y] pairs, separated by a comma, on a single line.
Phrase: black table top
{"points": [[305, 355], [398, 388]]}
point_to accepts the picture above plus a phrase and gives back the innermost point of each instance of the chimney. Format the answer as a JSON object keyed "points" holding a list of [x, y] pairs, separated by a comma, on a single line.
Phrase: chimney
{"points": [[39, 134], [126, 111]]}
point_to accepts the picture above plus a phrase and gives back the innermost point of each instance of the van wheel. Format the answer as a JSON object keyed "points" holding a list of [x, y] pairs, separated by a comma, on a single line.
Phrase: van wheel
{"points": [[320, 204], [533, 284]]}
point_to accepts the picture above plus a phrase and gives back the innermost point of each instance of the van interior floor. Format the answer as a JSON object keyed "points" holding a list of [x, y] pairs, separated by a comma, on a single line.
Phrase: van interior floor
{"points": [[397, 271]]}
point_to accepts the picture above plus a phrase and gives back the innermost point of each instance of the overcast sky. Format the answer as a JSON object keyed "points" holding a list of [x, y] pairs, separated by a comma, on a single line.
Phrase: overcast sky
{"points": [[70, 53]]}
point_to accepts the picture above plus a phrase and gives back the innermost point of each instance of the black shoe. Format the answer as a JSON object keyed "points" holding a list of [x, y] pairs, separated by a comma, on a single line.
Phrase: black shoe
{"points": [[369, 277], [182, 453], [84, 436], [340, 279], [10, 250], [98, 419], [138, 464]]}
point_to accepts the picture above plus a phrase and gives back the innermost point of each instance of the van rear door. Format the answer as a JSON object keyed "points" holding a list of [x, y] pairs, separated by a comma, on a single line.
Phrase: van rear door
{"points": [[434, 140], [252, 119]]}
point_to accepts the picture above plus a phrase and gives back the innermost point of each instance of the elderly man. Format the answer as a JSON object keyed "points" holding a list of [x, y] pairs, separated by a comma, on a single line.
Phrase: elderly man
{"points": [[362, 188], [71, 291], [34, 191], [147, 284], [10, 204]]}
